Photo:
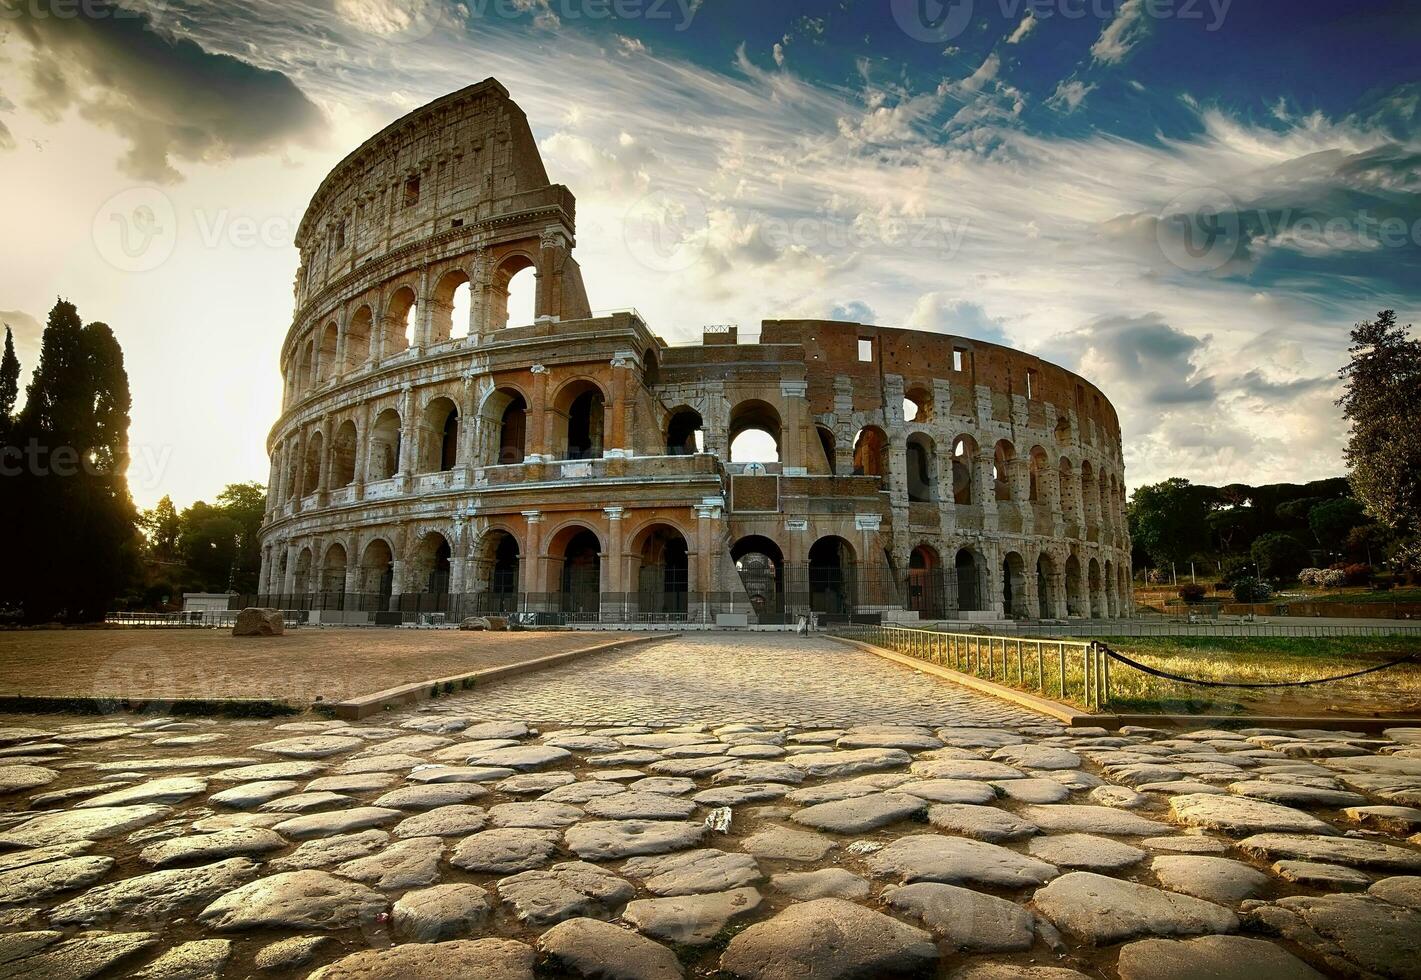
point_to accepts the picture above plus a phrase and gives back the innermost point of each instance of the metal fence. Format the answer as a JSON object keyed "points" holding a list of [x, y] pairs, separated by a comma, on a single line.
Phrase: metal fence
{"points": [[1214, 628], [1071, 670]]}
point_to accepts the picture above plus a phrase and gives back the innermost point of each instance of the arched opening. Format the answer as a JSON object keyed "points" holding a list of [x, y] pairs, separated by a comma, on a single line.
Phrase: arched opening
{"points": [[1076, 604], [377, 569], [760, 563], [754, 433], [514, 289], [305, 373], [1063, 431], [969, 586], [384, 458], [303, 573], [343, 455], [399, 325], [651, 369], [831, 577], [1045, 587], [585, 408], [581, 578], [918, 405], [357, 340], [311, 470], [439, 435], [830, 446], [871, 452], [1097, 592], [503, 432], [500, 566], [1037, 472], [431, 566], [926, 585], [449, 308], [922, 469], [685, 433], [663, 579], [964, 468], [1014, 586], [1002, 457], [333, 569], [326, 366]]}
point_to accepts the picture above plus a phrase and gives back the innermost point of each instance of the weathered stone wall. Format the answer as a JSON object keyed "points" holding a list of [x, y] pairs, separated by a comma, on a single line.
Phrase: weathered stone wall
{"points": [[415, 454]]}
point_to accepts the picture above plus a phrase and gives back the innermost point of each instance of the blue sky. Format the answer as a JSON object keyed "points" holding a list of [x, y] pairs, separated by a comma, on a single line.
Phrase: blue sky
{"points": [[1188, 201]]}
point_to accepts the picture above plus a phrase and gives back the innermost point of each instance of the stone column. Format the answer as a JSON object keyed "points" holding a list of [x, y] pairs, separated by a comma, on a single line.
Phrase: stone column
{"points": [[537, 431], [533, 575], [327, 454], [409, 434], [288, 584], [793, 455], [614, 560], [1031, 599], [618, 411]]}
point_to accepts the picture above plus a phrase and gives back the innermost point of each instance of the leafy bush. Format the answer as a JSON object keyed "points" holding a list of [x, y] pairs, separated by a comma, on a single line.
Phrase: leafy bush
{"points": [[1190, 592], [1157, 576], [1358, 574], [1279, 556], [1235, 568], [1322, 578], [1383, 583], [1252, 590]]}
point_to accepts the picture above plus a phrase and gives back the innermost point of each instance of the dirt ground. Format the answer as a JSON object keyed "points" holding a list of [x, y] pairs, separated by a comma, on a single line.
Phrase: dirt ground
{"points": [[300, 667]]}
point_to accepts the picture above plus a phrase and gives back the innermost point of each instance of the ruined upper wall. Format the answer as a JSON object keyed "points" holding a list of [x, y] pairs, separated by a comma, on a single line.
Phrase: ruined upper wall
{"points": [[463, 158], [831, 350]]}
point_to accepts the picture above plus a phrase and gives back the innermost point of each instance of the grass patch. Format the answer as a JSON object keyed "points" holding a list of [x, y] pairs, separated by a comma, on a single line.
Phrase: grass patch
{"points": [[1266, 660], [1408, 594], [1036, 669]]}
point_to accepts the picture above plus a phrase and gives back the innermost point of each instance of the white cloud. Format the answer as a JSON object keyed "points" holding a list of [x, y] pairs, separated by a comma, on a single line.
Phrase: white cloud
{"points": [[1127, 29], [1023, 29], [1069, 95]]}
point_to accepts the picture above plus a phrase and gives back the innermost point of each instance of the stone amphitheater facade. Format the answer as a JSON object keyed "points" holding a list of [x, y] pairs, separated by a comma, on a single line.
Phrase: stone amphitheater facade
{"points": [[580, 467]]}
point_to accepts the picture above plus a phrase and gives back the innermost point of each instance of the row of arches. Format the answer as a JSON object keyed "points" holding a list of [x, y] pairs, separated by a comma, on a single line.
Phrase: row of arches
{"points": [[380, 330], [437, 440], [497, 577]]}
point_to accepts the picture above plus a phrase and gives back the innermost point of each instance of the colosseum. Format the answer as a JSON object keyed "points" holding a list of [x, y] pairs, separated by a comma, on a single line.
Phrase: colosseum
{"points": [[579, 469]]}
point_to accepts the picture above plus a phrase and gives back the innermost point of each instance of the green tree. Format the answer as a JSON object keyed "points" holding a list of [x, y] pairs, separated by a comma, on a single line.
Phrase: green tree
{"points": [[1380, 401], [245, 503], [1331, 521], [1279, 556], [9, 382], [208, 545], [162, 526], [79, 528], [1167, 519]]}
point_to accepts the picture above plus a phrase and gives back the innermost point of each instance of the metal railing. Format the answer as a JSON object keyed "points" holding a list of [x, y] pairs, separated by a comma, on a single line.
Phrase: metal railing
{"points": [[1070, 670], [1087, 629]]}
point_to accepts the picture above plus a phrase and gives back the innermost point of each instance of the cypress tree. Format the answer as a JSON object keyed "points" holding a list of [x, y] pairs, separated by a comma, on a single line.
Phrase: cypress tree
{"points": [[9, 382]]}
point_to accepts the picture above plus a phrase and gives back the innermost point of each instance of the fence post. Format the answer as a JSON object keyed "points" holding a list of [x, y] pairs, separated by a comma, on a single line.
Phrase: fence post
{"points": [[1040, 668], [1061, 649], [1105, 674]]}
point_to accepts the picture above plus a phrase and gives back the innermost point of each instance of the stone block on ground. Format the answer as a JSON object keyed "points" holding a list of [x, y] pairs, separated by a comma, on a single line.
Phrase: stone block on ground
{"points": [[254, 621]]}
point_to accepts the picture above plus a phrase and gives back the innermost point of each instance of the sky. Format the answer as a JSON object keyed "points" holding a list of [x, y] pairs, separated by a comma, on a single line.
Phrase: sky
{"points": [[1188, 201]]}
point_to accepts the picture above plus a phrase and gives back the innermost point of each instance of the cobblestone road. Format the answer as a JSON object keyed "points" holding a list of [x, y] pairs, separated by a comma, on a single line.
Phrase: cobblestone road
{"points": [[718, 678], [755, 807]]}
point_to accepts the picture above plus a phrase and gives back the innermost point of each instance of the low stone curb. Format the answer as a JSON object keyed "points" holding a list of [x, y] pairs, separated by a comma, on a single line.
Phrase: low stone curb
{"points": [[1075, 718], [369, 704]]}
